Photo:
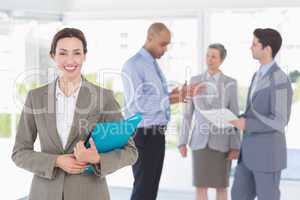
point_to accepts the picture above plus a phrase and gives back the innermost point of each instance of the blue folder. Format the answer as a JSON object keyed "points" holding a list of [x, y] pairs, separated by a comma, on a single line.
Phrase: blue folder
{"points": [[109, 136]]}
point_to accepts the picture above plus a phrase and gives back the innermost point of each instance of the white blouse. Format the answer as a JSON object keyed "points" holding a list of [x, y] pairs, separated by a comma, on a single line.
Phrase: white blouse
{"points": [[211, 82], [65, 109]]}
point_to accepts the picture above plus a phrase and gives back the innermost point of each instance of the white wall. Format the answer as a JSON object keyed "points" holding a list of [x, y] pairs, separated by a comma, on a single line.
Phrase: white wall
{"points": [[148, 6], [165, 5], [54, 6]]}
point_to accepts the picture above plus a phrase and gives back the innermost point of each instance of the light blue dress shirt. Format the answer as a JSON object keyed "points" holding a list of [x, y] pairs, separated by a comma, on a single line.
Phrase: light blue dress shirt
{"points": [[260, 74], [145, 90]]}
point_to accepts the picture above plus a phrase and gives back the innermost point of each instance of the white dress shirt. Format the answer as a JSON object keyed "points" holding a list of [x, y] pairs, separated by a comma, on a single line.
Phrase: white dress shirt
{"points": [[65, 109], [212, 85]]}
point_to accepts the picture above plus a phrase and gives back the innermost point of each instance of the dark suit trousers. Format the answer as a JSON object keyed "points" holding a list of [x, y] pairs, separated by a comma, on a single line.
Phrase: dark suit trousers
{"points": [[150, 143]]}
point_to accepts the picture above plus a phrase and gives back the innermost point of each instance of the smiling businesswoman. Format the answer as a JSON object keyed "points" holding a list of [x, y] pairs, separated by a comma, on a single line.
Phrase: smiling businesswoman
{"points": [[56, 113]]}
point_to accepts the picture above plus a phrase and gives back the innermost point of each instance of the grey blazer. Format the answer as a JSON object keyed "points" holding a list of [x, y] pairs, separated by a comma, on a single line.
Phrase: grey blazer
{"points": [[38, 119], [203, 133], [267, 113]]}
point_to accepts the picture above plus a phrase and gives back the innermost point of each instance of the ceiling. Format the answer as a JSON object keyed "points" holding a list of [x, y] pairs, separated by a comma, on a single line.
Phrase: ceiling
{"points": [[59, 8]]}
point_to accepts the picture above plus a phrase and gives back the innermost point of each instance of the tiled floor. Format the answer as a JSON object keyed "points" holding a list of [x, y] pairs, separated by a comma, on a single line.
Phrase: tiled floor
{"points": [[290, 191]]}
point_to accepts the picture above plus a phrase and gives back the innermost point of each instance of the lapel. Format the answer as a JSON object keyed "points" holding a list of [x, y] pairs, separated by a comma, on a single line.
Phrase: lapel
{"points": [[264, 81], [84, 105], [216, 101], [219, 100], [249, 92], [49, 102], [202, 99], [262, 84]]}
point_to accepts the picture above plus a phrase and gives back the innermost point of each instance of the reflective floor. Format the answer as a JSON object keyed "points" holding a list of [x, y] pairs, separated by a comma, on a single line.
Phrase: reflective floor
{"points": [[290, 191]]}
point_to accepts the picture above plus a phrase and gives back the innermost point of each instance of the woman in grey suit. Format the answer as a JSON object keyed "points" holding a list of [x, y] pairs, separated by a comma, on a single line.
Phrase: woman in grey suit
{"points": [[59, 114], [213, 148]]}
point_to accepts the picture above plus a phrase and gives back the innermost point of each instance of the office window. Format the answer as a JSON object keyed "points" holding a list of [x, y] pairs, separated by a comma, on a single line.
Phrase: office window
{"points": [[24, 61], [112, 42]]}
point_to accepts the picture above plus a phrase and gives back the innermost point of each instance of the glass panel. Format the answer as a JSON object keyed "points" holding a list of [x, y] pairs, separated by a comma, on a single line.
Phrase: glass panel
{"points": [[112, 42]]}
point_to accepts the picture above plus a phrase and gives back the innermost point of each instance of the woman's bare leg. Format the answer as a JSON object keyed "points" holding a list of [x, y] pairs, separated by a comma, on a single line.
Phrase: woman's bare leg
{"points": [[201, 193], [221, 193]]}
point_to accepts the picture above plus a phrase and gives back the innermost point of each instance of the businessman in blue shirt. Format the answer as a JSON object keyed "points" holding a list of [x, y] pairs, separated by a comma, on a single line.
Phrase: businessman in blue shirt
{"points": [[146, 92]]}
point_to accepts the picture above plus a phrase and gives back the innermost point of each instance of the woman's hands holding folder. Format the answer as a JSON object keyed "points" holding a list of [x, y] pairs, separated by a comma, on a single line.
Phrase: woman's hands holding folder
{"points": [[69, 164], [77, 162], [88, 155]]}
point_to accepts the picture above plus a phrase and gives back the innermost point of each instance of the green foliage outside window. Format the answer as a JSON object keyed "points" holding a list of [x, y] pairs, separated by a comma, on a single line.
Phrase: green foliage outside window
{"points": [[91, 77], [23, 89], [296, 97], [294, 76], [5, 125]]}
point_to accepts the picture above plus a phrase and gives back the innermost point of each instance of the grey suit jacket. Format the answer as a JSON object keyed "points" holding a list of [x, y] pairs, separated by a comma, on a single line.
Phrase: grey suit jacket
{"points": [[39, 119], [203, 133], [267, 113]]}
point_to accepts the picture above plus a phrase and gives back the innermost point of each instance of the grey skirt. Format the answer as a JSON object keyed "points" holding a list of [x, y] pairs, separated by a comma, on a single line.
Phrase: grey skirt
{"points": [[210, 168]]}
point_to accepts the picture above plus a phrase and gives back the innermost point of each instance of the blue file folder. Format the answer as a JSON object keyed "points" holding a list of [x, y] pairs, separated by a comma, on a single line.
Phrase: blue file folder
{"points": [[113, 135]]}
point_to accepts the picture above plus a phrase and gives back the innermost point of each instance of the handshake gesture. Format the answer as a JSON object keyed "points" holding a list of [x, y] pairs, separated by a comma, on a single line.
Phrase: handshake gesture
{"points": [[180, 94]]}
